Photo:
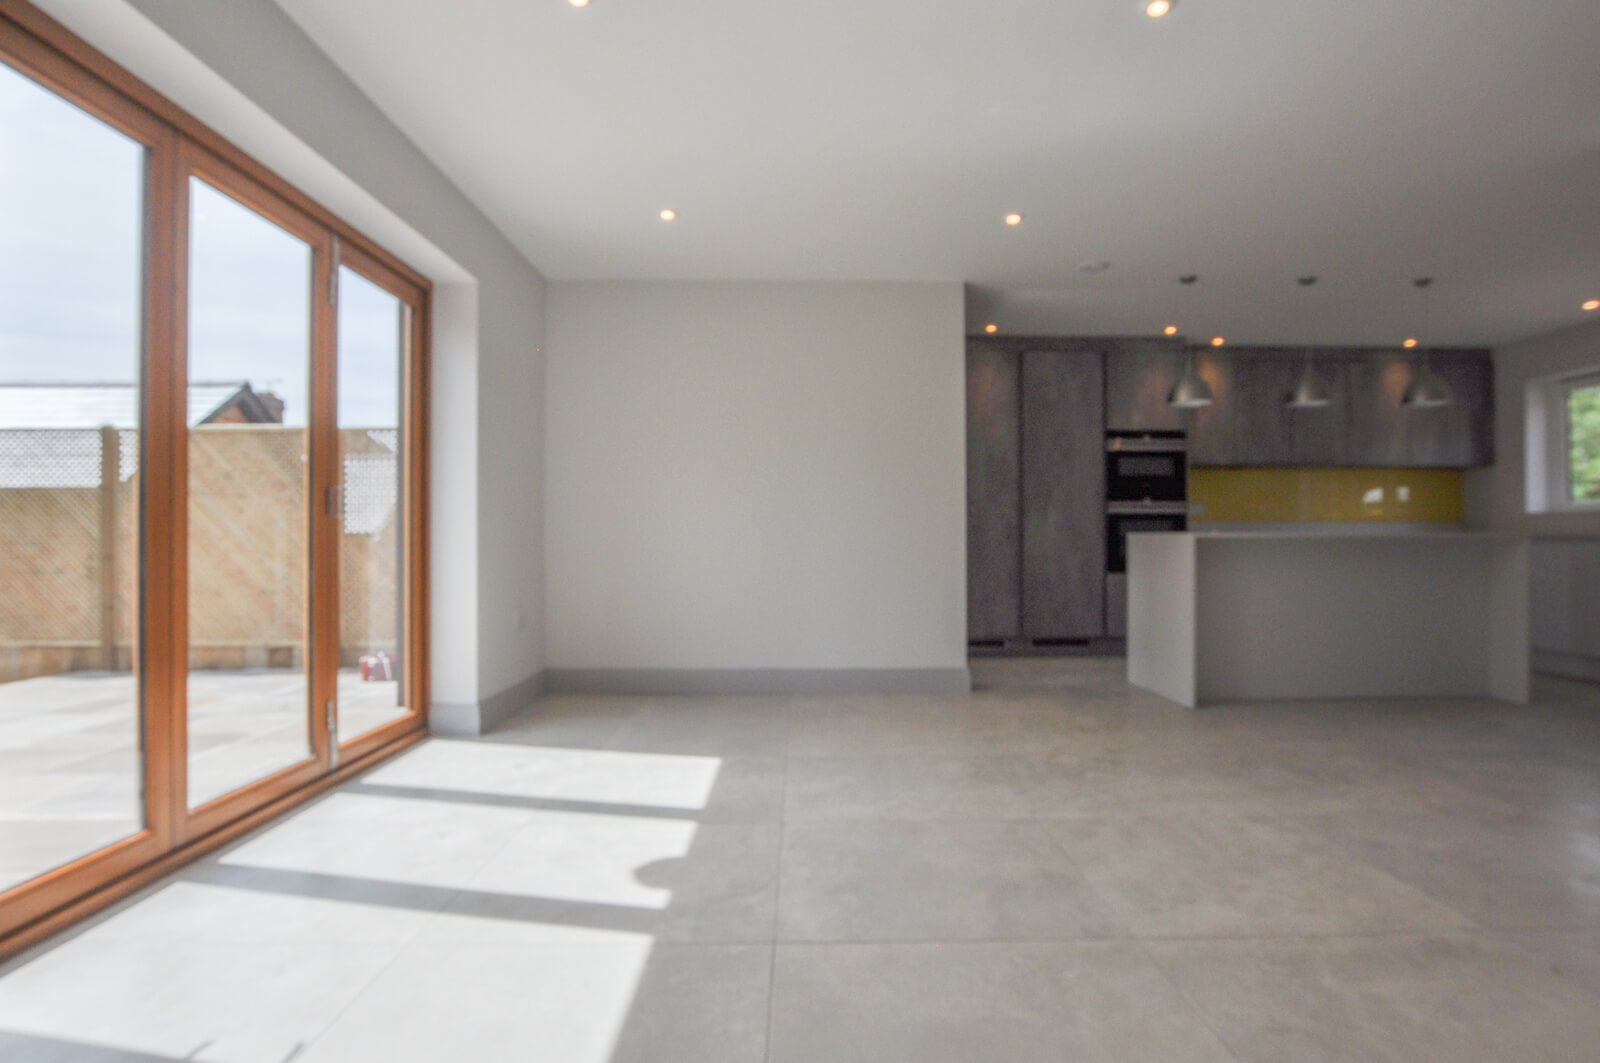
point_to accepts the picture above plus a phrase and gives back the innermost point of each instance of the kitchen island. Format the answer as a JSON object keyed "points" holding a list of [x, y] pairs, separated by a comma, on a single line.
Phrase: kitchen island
{"points": [[1227, 616]]}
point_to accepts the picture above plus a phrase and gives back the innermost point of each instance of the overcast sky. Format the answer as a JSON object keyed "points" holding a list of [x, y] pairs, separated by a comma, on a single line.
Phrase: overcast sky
{"points": [[71, 192]]}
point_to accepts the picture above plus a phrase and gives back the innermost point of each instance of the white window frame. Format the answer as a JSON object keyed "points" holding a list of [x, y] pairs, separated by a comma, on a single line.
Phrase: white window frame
{"points": [[1549, 440]]}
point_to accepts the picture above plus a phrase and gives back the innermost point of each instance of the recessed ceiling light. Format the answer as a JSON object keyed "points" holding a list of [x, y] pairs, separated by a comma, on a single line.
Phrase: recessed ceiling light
{"points": [[991, 328], [1217, 341], [578, 3], [1409, 343], [1159, 8], [1592, 304], [668, 214], [1013, 219], [1170, 330]]}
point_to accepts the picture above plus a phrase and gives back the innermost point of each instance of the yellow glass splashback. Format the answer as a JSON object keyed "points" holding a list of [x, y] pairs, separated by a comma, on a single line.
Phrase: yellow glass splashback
{"points": [[1326, 496]]}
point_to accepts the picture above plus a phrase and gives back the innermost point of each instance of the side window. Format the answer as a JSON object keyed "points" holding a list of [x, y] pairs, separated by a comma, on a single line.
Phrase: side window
{"points": [[1582, 441]]}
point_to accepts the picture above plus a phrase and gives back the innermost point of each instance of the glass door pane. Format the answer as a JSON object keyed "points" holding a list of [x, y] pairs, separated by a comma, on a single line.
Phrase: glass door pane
{"points": [[71, 247], [250, 345], [371, 363]]}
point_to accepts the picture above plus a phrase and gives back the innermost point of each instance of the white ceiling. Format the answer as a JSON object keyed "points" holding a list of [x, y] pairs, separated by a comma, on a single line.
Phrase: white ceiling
{"points": [[1367, 141]]}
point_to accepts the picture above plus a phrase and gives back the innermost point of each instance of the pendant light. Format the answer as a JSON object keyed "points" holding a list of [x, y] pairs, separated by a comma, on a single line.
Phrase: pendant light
{"points": [[1191, 391], [1426, 390], [1311, 391]]}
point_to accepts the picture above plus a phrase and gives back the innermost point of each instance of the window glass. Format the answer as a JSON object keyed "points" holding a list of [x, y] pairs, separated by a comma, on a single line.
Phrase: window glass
{"points": [[372, 331], [249, 488], [71, 241], [1583, 444]]}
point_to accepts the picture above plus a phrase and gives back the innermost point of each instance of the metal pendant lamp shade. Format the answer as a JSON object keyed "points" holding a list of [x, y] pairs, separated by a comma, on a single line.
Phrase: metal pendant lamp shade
{"points": [[1310, 391], [1427, 390], [1191, 391]]}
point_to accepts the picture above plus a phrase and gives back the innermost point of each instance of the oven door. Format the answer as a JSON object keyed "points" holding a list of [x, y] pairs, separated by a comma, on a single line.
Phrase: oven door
{"points": [[1118, 525], [1146, 476]]}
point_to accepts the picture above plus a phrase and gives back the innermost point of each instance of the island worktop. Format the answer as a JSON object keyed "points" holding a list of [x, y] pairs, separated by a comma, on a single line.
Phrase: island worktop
{"points": [[1216, 616]]}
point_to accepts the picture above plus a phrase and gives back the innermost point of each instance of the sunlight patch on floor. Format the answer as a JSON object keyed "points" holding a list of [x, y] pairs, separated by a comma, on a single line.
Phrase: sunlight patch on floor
{"points": [[658, 780], [227, 975]]}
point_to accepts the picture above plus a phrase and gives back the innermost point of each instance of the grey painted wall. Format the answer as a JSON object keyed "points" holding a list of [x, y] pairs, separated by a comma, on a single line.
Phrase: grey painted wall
{"points": [[758, 479], [1566, 556]]}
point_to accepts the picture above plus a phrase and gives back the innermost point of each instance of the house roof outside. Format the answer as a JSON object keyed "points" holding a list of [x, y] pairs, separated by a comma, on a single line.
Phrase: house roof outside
{"points": [[50, 433], [117, 405]]}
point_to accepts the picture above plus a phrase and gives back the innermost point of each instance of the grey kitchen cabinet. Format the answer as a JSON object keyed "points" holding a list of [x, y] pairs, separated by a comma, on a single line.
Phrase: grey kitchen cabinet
{"points": [[1211, 429], [1460, 435], [1378, 420], [1366, 424], [1139, 376], [1063, 495], [1263, 430], [994, 532], [1385, 432], [1320, 435], [1117, 605], [1035, 491], [1250, 422]]}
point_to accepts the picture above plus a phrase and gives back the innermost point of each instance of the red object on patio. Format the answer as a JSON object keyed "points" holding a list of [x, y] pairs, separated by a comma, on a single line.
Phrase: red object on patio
{"points": [[376, 667]]}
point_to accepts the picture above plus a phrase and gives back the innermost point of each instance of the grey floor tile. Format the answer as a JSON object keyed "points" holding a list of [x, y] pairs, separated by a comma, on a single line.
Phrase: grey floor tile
{"points": [[1507, 872], [725, 890], [562, 1000], [59, 1050], [243, 908], [942, 787], [1055, 866], [596, 779], [673, 880], [914, 881], [385, 839], [175, 998], [1573, 955], [958, 1003], [1384, 1000], [699, 1004], [1212, 874]]}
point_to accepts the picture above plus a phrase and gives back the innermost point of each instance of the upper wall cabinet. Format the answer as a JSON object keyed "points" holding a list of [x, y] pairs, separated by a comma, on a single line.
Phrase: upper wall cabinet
{"points": [[1319, 435], [1250, 423], [1384, 431], [1212, 436], [1139, 376], [1378, 419], [1366, 424], [1460, 435]]}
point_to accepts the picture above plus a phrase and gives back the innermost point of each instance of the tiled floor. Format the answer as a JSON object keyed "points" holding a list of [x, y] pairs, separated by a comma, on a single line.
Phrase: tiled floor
{"points": [[1056, 868], [69, 751]]}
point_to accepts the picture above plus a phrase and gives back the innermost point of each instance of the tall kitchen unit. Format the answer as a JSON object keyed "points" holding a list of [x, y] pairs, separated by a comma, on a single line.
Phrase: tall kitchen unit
{"points": [[1035, 494]]}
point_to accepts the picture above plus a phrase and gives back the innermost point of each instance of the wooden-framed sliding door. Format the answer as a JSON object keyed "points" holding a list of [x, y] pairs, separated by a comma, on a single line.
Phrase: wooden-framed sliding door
{"points": [[86, 683], [213, 484], [255, 312], [377, 452]]}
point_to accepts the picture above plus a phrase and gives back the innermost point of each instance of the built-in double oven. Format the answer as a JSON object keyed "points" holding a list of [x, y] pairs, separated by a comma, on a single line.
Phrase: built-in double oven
{"points": [[1139, 517], [1147, 489]]}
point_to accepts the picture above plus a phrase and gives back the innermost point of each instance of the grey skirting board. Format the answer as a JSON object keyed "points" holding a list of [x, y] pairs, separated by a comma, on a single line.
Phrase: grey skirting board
{"points": [[1567, 665], [460, 720], [756, 681]]}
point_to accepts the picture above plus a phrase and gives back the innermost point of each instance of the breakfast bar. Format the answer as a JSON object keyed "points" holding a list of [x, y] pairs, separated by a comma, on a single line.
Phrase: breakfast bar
{"points": [[1228, 616]]}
